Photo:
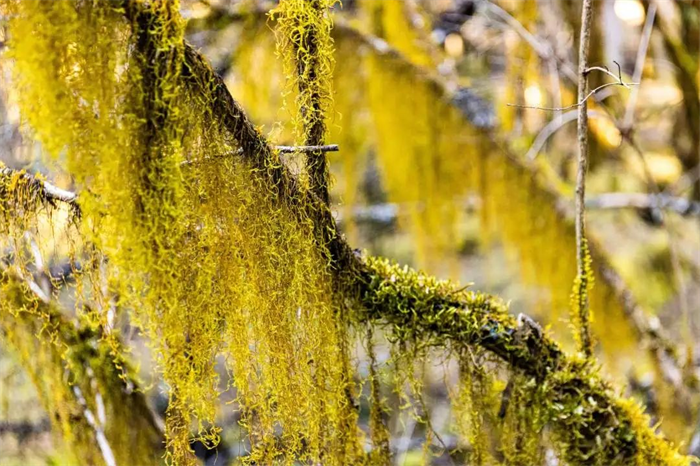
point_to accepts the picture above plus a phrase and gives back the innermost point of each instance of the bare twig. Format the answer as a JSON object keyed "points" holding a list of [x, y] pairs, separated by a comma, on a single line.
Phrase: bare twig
{"points": [[100, 437], [292, 149], [582, 255], [583, 98], [679, 205]]}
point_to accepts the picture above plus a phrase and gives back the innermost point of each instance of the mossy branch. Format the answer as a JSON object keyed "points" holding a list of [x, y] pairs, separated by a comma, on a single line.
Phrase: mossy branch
{"points": [[590, 422], [36, 188], [650, 335]]}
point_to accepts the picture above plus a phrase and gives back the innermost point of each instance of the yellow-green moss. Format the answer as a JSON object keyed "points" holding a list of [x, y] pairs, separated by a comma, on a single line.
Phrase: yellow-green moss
{"points": [[210, 255], [202, 252]]}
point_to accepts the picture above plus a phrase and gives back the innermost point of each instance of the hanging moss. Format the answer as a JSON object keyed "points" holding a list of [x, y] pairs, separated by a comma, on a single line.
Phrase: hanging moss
{"points": [[590, 423], [472, 407], [202, 252], [378, 431], [523, 422], [580, 313], [305, 44], [214, 247]]}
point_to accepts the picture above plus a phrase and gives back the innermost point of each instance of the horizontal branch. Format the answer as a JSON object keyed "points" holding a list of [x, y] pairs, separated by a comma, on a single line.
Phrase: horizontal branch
{"points": [[662, 201], [292, 149]]}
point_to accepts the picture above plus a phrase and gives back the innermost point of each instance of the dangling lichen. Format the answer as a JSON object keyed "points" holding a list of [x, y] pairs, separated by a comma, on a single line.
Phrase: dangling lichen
{"points": [[378, 431], [201, 250], [471, 408], [523, 422]]}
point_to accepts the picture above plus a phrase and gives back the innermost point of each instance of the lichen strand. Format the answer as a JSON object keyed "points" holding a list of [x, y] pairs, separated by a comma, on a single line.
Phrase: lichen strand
{"points": [[204, 249], [378, 430], [589, 422], [304, 42], [473, 406], [523, 422]]}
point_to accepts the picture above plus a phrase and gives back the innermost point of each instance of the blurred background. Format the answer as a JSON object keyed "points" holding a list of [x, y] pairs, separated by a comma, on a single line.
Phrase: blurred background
{"points": [[455, 121]]}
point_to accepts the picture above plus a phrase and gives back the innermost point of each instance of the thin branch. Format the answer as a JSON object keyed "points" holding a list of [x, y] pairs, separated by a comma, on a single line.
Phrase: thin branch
{"points": [[100, 437], [606, 70], [293, 149], [49, 191], [582, 254], [549, 129], [679, 205], [582, 99]]}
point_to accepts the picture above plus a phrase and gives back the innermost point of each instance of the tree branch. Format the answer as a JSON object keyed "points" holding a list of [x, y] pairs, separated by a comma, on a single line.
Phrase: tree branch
{"points": [[47, 191], [582, 317], [583, 98]]}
